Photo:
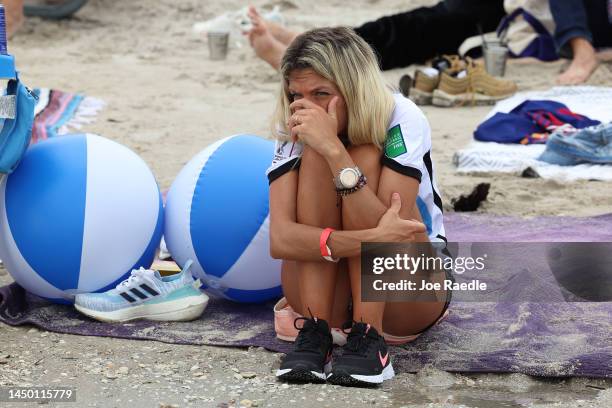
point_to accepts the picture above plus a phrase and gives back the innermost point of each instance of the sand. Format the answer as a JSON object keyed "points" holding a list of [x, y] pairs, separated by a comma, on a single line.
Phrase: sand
{"points": [[166, 100]]}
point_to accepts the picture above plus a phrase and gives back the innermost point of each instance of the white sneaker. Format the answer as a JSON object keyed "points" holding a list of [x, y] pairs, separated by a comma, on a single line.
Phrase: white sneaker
{"points": [[147, 295]]}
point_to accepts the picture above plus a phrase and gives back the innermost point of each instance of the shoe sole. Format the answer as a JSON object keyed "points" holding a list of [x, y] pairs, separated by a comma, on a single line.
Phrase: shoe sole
{"points": [[356, 380], [443, 99], [420, 97], [180, 310], [302, 375]]}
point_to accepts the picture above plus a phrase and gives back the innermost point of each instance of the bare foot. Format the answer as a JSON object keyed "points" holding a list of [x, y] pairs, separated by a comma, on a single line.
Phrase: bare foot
{"points": [[278, 31], [605, 55], [263, 42], [582, 66]]}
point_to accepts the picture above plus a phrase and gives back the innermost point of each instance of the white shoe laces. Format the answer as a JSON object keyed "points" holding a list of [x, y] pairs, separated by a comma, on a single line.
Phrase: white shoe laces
{"points": [[135, 276]]}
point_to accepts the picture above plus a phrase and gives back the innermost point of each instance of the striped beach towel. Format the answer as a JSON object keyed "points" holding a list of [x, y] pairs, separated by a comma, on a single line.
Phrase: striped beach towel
{"points": [[59, 112], [489, 158]]}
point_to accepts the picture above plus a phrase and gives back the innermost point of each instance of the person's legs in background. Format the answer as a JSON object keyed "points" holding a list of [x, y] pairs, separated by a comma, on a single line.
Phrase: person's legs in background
{"points": [[264, 41], [581, 25], [418, 35], [400, 39], [599, 15], [600, 22]]}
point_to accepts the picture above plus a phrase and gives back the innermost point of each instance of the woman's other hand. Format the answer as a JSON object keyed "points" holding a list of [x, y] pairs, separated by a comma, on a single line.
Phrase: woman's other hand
{"points": [[392, 228], [315, 126]]}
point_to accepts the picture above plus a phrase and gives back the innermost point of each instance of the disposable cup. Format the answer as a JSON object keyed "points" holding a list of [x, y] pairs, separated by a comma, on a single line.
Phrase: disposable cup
{"points": [[495, 59], [218, 44]]}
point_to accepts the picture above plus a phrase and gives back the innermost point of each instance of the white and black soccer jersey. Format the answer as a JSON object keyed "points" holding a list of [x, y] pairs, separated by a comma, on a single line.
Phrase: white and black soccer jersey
{"points": [[407, 150]]}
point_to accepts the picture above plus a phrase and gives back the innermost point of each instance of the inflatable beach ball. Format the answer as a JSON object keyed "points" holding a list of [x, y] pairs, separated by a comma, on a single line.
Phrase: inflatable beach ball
{"points": [[78, 214], [217, 215]]}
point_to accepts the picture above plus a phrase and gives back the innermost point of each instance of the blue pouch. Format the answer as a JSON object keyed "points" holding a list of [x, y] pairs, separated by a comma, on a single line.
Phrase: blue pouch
{"points": [[17, 109]]}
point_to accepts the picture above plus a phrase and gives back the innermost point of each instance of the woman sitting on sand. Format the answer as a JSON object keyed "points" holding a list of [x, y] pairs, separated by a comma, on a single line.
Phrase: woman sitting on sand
{"points": [[352, 165]]}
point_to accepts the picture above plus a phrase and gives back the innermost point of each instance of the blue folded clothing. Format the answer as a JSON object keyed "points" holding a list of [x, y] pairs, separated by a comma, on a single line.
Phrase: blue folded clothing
{"points": [[530, 122], [590, 145]]}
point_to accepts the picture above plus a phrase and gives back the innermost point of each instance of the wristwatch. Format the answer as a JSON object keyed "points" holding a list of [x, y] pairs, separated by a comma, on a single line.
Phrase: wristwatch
{"points": [[347, 178]]}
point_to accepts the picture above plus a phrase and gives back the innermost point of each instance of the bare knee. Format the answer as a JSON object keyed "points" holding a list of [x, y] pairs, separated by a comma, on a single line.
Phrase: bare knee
{"points": [[316, 200], [311, 158], [367, 158]]}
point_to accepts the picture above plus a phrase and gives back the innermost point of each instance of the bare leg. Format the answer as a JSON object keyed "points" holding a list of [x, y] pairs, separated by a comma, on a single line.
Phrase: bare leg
{"points": [[583, 64], [367, 158], [408, 318], [397, 318], [316, 206], [14, 16], [342, 294]]}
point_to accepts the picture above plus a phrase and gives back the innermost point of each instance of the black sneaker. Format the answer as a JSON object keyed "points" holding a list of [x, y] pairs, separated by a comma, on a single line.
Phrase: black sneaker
{"points": [[365, 359], [310, 361]]}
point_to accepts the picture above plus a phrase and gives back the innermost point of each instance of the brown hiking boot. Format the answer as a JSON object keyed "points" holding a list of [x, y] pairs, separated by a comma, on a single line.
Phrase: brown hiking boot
{"points": [[420, 91], [477, 87]]}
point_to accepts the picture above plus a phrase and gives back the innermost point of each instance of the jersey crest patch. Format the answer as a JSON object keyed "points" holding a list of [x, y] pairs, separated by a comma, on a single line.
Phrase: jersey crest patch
{"points": [[395, 145]]}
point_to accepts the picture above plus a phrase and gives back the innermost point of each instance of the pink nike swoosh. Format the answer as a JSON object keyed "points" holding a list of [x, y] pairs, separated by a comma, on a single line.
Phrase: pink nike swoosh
{"points": [[383, 360]]}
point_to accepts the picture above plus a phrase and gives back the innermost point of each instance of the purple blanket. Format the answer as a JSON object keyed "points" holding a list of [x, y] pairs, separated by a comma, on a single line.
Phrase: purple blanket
{"points": [[554, 339]]}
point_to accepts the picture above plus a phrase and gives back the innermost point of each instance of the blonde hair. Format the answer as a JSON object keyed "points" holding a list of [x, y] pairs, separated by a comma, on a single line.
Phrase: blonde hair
{"points": [[342, 57]]}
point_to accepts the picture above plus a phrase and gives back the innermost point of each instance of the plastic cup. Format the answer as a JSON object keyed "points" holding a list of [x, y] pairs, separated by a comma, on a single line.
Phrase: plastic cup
{"points": [[493, 42], [495, 59], [218, 42]]}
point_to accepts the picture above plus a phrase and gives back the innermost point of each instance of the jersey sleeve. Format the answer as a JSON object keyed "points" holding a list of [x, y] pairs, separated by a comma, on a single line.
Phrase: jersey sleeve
{"points": [[408, 143], [287, 156]]}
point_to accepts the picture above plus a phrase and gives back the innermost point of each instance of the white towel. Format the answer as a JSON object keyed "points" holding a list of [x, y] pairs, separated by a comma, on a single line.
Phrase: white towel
{"points": [[490, 157]]}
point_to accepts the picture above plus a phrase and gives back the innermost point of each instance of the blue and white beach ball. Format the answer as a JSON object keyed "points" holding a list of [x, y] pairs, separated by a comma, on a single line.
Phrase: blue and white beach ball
{"points": [[78, 214], [217, 215]]}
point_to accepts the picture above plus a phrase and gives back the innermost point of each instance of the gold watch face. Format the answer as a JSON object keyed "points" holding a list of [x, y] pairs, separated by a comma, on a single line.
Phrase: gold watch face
{"points": [[349, 178]]}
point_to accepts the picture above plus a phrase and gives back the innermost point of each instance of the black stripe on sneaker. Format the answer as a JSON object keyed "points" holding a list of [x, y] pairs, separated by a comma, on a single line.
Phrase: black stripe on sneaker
{"points": [[138, 293], [149, 289], [127, 297]]}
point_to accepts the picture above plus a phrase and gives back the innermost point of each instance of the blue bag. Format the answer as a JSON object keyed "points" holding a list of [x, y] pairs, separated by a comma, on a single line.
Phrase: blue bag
{"points": [[541, 47], [17, 108]]}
